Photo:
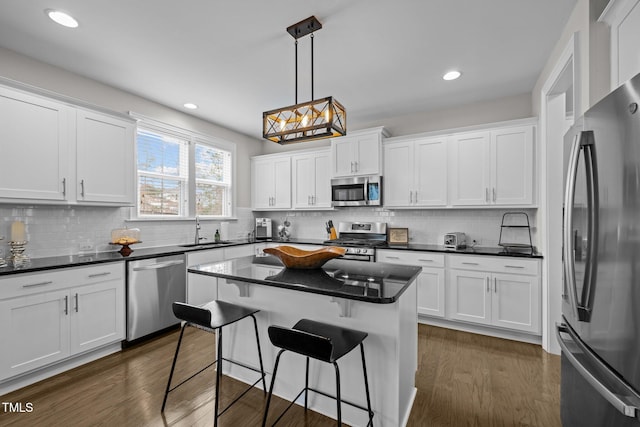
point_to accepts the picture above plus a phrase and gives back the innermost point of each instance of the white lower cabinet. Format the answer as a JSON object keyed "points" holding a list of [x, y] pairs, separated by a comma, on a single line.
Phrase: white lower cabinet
{"points": [[500, 292], [50, 316], [431, 287], [483, 290]]}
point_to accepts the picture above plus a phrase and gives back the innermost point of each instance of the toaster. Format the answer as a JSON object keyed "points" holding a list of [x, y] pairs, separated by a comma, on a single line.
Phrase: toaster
{"points": [[455, 240]]}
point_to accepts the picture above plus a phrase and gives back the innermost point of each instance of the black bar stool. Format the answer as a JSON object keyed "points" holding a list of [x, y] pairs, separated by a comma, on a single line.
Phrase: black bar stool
{"points": [[323, 342], [211, 317]]}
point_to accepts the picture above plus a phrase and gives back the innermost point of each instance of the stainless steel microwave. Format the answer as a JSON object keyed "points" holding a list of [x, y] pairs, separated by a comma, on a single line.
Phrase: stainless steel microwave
{"points": [[357, 191]]}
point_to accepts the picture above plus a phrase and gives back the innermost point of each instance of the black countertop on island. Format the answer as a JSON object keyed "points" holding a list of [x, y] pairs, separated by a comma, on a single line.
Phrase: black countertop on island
{"points": [[379, 283]]}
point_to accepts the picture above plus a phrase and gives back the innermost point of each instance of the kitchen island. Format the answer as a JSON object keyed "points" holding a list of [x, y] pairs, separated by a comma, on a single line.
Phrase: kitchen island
{"points": [[377, 298]]}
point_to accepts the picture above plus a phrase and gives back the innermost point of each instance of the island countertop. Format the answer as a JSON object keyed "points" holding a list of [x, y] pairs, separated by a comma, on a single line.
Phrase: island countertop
{"points": [[375, 282]]}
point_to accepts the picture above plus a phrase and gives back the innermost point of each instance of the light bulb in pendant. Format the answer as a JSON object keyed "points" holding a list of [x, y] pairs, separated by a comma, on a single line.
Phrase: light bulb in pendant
{"points": [[327, 116], [305, 120], [283, 124]]}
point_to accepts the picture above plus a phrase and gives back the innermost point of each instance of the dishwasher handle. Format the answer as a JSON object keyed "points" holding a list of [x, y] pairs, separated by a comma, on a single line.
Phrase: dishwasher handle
{"points": [[158, 265]]}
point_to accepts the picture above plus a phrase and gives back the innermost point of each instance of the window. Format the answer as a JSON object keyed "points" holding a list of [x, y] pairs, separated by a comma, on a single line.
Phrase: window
{"points": [[181, 174]]}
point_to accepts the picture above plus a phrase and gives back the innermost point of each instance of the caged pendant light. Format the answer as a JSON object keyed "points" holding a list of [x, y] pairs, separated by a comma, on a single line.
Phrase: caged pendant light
{"points": [[316, 119]]}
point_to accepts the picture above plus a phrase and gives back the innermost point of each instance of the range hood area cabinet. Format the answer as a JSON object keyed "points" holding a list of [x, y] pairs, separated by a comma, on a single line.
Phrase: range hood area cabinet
{"points": [[54, 152], [492, 168], [358, 153]]}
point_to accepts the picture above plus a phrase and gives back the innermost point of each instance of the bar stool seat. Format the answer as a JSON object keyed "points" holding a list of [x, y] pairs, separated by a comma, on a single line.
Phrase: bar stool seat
{"points": [[212, 317], [320, 341]]}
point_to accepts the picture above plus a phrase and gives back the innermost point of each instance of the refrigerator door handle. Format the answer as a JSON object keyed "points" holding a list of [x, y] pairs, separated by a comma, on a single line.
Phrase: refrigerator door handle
{"points": [[586, 306], [624, 399], [581, 307], [568, 264]]}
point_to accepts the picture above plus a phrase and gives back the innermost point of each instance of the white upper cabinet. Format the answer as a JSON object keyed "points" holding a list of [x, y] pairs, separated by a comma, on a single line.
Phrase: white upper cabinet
{"points": [[54, 152], [105, 159], [359, 153], [311, 180], [271, 182], [34, 148], [623, 17], [415, 173], [492, 168]]}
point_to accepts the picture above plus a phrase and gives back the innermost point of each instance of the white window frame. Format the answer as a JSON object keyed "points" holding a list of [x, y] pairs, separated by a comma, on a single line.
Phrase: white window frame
{"points": [[193, 138]]}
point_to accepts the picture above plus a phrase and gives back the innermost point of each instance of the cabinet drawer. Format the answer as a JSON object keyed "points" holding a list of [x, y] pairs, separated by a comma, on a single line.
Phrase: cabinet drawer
{"points": [[423, 259], [18, 285], [494, 264]]}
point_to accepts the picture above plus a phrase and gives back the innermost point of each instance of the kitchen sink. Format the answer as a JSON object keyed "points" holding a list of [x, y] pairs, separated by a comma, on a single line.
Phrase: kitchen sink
{"points": [[206, 244]]}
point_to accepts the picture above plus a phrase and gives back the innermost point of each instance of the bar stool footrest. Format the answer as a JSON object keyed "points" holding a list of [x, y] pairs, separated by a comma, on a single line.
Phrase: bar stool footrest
{"points": [[355, 405]]}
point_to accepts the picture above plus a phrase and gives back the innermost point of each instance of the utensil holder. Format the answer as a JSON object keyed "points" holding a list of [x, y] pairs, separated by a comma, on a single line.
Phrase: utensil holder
{"points": [[18, 257]]}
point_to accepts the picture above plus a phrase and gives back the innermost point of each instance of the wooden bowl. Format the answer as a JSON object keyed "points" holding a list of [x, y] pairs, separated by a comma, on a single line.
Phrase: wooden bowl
{"points": [[297, 258]]}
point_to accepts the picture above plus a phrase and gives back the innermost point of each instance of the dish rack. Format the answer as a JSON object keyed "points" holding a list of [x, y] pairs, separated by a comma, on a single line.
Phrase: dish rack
{"points": [[515, 233]]}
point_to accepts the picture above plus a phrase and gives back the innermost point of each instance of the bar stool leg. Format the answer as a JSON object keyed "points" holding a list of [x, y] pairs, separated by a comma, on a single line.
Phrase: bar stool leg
{"points": [[218, 376], [273, 381], [173, 367], [255, 326], [366, 386], [338, 398], [306, 385]]}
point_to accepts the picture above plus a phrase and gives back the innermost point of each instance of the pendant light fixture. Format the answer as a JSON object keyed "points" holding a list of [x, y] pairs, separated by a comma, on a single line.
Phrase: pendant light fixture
{"points": [[316, 119]]}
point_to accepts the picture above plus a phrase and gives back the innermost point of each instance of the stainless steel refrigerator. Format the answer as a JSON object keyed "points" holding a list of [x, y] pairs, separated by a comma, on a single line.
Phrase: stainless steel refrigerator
{"points": [[600, 330]]}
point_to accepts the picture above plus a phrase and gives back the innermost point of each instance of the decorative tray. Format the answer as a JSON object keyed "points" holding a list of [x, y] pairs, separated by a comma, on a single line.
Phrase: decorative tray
{"points": [[297, 258]]}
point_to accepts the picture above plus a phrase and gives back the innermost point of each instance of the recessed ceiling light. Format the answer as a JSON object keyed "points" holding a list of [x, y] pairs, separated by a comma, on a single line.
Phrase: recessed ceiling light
{"points": [[451, 75], [190, 106], [62, 18]]}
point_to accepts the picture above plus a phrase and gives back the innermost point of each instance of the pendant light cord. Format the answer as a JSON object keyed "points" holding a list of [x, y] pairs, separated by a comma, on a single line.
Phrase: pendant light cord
{"points": [[296, 71], [312, 98]]}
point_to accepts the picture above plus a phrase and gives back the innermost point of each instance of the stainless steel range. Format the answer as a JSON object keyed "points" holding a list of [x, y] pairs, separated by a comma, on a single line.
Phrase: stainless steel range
{"points": [[360, 239]]}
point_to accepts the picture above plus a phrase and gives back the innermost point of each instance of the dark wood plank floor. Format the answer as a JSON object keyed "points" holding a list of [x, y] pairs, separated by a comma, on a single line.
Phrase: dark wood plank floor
{"points": [[463, 380]]}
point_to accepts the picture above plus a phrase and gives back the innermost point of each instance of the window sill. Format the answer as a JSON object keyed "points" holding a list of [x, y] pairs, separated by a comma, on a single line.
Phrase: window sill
{"points": [[191, 219]]}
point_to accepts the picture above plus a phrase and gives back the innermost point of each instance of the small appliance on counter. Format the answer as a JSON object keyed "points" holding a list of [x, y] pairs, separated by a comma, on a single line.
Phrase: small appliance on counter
{"points": [[455, 240], [263, 229]]}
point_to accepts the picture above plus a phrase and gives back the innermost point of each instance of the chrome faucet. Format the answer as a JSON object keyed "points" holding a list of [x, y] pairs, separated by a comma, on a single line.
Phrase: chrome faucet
{"points": [[198, 238]]}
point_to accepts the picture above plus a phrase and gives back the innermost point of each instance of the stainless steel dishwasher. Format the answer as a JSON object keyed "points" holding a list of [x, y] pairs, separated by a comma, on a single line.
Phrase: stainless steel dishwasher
{"points": [[152, 286]]}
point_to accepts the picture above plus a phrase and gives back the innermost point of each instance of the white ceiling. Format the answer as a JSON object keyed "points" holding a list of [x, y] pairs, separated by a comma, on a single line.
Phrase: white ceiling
{"points": [[379, 58]]}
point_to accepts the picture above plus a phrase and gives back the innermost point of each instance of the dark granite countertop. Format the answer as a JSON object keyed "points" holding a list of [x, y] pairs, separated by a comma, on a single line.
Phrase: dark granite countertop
{"points": [[379, 283], [478, 250], [48, 263]]}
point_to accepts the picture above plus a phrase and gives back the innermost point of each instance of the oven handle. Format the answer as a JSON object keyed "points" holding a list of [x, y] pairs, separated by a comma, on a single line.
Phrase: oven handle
{"points": [[366, 258]]}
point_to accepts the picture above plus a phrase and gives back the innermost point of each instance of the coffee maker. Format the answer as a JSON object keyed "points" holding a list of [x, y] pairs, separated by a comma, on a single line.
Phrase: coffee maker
{"points": [[263, 229]]}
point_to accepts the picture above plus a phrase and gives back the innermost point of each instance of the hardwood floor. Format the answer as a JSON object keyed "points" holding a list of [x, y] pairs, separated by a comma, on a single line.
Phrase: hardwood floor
{"points": [[463, 380]]}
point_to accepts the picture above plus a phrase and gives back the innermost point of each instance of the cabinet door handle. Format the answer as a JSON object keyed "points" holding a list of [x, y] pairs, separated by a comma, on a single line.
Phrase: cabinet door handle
{"points": [[494, 194], [488, 285], [66, 304], [425, 260], [392, 257], [486, 195], [32, 285], [410, 196], [64, 186], [106, 273], [495, 285], [82, 188], [76, 302], [308, 200], [313, 200], [357, 166], [514, 266], [415, 196], [470, 263]]}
